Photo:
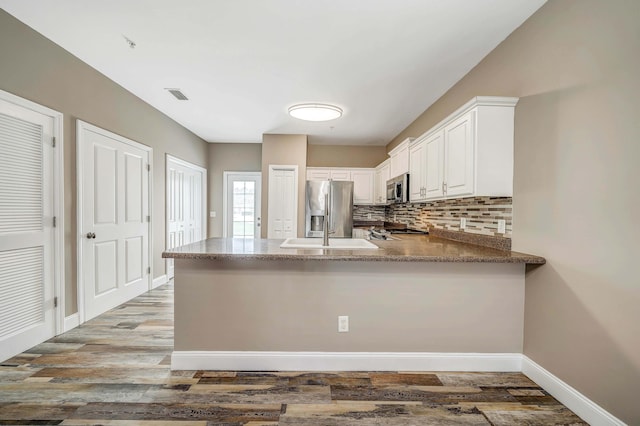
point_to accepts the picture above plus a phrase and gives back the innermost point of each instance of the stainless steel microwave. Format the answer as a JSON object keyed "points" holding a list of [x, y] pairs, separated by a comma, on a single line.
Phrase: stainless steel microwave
{"points": [[398, 189]]}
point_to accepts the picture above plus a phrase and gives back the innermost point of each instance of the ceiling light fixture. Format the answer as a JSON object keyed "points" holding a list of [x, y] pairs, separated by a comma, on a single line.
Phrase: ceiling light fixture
{"points": [[315, 112]]}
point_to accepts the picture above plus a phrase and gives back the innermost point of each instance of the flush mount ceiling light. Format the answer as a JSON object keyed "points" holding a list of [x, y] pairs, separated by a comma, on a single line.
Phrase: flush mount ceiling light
{"points": [[315, 112]]}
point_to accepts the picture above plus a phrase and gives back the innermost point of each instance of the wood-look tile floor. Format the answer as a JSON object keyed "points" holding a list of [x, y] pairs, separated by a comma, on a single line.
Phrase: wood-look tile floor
{"points": [[114, 370]]}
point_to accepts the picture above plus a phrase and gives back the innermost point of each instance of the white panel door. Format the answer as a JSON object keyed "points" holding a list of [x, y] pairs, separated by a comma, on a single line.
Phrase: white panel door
{"points": [[283, 199], [434, 166], [114, 224], [458, 156], [242, 207], [186, 186], [26, 229]]}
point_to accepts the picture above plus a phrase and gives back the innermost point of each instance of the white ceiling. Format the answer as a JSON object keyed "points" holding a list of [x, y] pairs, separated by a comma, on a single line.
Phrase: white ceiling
{"points": [[242, 63]]}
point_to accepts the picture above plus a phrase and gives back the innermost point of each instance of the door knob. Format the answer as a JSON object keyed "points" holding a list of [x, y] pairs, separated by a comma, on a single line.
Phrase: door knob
{"points": [[91, 235]]}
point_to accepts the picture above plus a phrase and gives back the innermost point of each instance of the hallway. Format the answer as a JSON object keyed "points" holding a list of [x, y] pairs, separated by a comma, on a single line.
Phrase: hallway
{"points": [[114, 370]]}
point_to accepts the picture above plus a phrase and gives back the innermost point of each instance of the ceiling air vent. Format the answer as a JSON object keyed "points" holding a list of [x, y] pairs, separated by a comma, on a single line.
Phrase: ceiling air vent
{"points": [[178, 94]]}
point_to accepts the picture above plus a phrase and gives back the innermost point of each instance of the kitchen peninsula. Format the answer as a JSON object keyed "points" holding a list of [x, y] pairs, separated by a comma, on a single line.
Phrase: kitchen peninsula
{"points": [[416, 303]]}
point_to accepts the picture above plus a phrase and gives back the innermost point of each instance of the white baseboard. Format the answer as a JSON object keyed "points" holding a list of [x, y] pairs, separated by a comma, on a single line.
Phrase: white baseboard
{"points": [[71, 322], [344, 361], [158, 281], [588, 410]]}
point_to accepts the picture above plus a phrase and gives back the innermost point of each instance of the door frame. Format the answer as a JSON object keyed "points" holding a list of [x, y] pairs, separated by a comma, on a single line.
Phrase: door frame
{"points": [[225, 182], [80, 171], [57, 201], [175, 160], [273, 168]]}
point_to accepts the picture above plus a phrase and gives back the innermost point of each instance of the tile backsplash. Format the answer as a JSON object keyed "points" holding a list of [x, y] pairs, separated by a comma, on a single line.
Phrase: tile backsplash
{"points": [[371, 213], [482, 214]]}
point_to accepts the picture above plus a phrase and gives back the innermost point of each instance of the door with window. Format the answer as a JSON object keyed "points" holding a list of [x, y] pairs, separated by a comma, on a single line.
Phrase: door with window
{"points": [[242, 191]]}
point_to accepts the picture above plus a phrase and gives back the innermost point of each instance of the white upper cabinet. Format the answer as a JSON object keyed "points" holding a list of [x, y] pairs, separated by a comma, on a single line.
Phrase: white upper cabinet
{"points": [[363, 186], [363, 180], [340, 174], [434, 166], [381, 178], [417, 171], [470, 153], [318, 174], [400, 158], [458, 156]]}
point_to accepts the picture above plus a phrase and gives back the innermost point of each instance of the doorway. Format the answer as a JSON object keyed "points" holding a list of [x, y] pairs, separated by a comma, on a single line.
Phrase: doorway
{"points": [[241, 204], [186, 187]]}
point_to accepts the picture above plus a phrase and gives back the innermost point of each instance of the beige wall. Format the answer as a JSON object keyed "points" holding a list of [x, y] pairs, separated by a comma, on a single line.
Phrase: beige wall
{"points": [[575, 65], [253, 305], [284, 150], [228, 157], [345, 156], [36, 69]]}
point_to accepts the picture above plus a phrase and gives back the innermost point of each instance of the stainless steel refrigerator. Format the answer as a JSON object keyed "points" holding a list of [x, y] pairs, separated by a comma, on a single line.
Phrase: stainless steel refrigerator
{"points": [[340, 208]]}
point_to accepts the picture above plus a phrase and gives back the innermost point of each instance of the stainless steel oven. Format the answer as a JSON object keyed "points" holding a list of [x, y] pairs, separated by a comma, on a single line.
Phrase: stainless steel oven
{"points": [[398, 189]]}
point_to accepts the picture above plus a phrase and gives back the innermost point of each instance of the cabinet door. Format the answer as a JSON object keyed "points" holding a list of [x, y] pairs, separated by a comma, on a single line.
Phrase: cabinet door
{"points": [[400, 161], [458, 156], [434, 164], [362, 186], [318, 174], [416, 171], [340, 175], [385, 174]]}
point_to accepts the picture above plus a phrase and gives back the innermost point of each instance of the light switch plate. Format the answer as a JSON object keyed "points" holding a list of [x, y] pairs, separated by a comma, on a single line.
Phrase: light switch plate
{"points": [[463, 222], [212, 214], [501, 226], [343, 324]]}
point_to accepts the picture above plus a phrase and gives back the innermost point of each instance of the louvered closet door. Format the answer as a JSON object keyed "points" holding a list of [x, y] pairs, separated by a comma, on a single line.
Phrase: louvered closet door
{"points": [[26, 229], [115, 205]]}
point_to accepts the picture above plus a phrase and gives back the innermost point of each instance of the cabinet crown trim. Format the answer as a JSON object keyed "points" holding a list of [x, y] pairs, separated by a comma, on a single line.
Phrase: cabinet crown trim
{"points": [[401, 145], [495, 101]]}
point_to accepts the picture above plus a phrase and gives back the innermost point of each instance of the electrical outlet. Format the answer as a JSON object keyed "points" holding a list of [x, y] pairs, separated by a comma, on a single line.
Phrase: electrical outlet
{"points": [[501, 226], [212, 214], [368, 215], [343, 324], [463, 222]]}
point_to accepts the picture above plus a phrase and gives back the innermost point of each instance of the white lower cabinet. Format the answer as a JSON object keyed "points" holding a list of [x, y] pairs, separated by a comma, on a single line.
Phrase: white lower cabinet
{"points": [[470, 153]]}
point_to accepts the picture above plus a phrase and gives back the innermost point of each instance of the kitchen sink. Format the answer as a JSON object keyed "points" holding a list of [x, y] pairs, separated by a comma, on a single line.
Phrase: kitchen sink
{"points": [[335, 243]]}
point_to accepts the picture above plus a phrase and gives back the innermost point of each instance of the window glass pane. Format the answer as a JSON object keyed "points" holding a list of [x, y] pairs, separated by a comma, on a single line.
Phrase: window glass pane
{"points": [[243, 209]]}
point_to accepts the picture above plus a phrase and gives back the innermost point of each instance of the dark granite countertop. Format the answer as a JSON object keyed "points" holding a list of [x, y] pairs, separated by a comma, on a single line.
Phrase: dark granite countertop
{"points": [[406, 248]]}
